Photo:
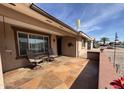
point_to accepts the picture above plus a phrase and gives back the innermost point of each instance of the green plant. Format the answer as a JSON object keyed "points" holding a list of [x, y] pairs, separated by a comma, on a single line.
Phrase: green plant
{"points": [[104, 40]]}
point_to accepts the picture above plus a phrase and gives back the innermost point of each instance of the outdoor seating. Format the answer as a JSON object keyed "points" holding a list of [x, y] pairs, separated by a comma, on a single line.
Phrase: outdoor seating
{"points": [[51, 55], [34, 59]]}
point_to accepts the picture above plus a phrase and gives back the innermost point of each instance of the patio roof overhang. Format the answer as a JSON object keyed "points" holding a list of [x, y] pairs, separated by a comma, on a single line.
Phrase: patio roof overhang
{"points": [[28, 26], [41, 15], [25, 9], [82, 34], [21, 20], [42, 12]]}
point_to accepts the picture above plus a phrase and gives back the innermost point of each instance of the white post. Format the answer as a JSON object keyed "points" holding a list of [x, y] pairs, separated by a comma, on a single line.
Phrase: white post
{"points": [[91, 45], [1, 75], [86, 45]]}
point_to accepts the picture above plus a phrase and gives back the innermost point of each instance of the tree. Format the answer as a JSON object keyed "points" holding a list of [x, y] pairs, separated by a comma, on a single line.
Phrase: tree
{"points": [[104, 40]]}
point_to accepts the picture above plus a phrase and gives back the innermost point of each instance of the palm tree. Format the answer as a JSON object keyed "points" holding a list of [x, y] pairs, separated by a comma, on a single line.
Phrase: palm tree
{"points": [[104, 40]]}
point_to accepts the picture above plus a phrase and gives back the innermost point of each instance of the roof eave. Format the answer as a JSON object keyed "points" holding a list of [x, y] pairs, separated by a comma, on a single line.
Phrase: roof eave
{"points": [[42, 12], [85, 35]]}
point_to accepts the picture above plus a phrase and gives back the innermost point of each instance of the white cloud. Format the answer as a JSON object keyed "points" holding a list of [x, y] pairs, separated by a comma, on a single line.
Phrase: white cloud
{"points": [[89, 29], [105, 13]]}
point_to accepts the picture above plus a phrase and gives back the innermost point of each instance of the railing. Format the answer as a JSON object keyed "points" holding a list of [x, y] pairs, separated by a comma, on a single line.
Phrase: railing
{"points": [[1, 75]]}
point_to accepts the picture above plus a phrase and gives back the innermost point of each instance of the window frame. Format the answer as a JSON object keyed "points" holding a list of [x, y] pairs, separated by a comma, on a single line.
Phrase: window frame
{"points": [[29, 33], [19, 44]]}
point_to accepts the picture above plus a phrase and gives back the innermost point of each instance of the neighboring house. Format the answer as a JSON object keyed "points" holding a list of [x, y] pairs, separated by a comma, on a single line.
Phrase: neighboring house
{"points": [[24, 27]]}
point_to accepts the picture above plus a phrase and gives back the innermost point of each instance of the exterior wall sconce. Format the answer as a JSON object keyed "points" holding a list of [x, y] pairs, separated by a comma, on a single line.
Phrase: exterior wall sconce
{"points": [[54, 40], [70, 44]]}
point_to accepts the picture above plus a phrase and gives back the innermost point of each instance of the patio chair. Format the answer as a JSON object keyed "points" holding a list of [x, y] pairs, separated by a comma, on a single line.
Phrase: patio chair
{"points": [[51, 55], [33, 59]]}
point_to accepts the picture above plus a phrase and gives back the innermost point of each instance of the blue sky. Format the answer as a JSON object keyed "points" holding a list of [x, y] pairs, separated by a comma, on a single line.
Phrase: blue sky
{"points": [[97, 20]]}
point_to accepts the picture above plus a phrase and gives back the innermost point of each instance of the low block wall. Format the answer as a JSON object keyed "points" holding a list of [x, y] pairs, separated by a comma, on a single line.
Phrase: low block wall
{"points": [[93, 55], [107, 72]]}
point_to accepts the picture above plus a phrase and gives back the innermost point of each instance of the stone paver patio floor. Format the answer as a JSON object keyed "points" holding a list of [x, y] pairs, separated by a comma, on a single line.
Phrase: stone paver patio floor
{"points": [[57, 74]]}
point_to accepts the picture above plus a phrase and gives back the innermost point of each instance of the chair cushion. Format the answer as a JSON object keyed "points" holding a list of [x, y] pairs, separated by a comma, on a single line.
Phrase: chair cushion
{"points": [[35, 60], [31, 60], [38, 60]]}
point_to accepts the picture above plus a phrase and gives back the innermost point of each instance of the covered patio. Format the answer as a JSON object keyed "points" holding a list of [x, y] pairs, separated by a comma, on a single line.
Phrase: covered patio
{"points": [[39, 32], [63, 73]]}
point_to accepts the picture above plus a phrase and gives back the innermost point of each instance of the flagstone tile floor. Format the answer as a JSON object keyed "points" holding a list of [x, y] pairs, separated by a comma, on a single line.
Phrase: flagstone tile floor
{"points": [[58, 74]]}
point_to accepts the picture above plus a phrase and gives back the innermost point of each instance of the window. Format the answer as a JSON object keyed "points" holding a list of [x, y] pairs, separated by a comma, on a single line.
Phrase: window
{"points": [[46, 43], [23, 43], [36, 43]]}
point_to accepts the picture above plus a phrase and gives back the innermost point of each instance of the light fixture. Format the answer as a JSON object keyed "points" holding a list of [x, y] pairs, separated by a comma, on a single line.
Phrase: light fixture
{"points": [[53, 40], [60, 26], [49, 21]]}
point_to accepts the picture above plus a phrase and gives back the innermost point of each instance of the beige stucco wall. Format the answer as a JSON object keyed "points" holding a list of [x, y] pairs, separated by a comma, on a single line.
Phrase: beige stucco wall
{"points": [[82, 51], [7, 42], [66, 50], [54, 44], [9, 60]]}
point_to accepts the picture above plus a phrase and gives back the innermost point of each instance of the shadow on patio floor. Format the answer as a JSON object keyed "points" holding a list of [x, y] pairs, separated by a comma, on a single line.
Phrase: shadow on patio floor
{"points": [[88, 78]]}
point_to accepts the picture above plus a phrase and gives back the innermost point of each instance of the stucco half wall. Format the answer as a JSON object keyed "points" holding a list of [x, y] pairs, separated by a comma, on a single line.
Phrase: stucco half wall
{"points": [[69, 46]]}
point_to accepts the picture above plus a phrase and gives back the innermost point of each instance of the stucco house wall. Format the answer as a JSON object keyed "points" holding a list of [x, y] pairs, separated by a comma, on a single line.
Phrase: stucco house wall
{"points": [[8, 44], [10, 59], [66, 49]]}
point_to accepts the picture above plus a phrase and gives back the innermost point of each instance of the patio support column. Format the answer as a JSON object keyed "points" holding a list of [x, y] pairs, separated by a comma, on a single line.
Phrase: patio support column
{"points": [[86, 45], [2, 42], [76, 48], [1, 75], [91, 45]]}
